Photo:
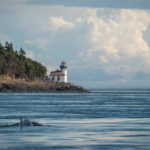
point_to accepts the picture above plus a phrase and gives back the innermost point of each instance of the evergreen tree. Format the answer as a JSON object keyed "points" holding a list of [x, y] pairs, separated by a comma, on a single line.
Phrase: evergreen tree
{"points": [[16, 64]]}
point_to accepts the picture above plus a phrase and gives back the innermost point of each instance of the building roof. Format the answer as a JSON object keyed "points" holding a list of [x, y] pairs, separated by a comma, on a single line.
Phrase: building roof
{"points": [[57, 73], [63, 65], [63, 62]]}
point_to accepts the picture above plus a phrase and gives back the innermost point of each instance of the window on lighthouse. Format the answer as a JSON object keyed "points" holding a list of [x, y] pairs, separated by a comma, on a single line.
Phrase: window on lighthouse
{"points": [[58, 78]]}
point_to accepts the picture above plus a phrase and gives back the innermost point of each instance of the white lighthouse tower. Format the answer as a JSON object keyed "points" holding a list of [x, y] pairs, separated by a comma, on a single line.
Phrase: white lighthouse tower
{"points": [[60, 76], [63, 68]]}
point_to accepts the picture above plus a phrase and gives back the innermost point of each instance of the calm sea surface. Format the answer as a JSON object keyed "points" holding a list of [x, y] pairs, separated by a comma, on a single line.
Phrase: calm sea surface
{"points": [[100, 120]]}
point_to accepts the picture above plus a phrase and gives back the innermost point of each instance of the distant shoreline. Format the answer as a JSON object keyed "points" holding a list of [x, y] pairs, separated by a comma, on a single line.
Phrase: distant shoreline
{"points": [[9, 85]]}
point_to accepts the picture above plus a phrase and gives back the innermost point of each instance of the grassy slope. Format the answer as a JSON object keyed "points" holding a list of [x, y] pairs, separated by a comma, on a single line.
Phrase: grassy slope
{"points": [[7, 84]]}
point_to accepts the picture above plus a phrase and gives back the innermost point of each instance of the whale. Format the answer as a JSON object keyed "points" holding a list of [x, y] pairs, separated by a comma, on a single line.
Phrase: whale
{"points": [[24, 122]]}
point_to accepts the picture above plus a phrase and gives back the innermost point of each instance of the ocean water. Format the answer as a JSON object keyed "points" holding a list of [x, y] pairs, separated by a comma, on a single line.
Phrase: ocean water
{"points": [[100, 120]]}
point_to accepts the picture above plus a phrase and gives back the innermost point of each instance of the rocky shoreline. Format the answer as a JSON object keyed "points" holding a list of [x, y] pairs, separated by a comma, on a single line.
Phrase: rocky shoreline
{"points": [[20, 85]]}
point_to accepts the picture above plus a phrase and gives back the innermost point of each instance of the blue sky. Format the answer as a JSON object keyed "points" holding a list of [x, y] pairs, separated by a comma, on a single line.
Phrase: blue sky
{"points": [[106, 43]]}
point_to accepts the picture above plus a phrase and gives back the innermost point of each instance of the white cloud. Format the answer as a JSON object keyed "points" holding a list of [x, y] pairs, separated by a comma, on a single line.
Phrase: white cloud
{"points": [[57, 23], [114, 43], [30, 54], [118, 40], [111, 42], [39, 43], [49, 68], [103, 59], [30, 42]]}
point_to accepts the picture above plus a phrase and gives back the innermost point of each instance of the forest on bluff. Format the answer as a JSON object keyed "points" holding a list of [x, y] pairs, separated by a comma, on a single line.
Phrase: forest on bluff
{"points": [[15, 64]]}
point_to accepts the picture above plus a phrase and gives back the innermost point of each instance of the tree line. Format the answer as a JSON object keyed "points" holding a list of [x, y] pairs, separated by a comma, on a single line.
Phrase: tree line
{"points": [[15, 63]]}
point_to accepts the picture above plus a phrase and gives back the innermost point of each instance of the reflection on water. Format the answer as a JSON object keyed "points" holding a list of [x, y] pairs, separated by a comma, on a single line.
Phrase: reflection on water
{"points": [[108, 120]]}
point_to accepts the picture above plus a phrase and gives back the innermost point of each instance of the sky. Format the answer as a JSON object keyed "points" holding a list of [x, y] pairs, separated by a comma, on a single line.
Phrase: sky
{"points": [[106, 43]]}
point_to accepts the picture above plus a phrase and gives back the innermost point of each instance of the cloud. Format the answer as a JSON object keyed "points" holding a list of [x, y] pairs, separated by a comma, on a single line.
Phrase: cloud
{"points": [[103, 59], [30, 54], [110, 40], [49, 68], [140, 4], [57, 23], [111, 43], [118, 40], [40, 43]]}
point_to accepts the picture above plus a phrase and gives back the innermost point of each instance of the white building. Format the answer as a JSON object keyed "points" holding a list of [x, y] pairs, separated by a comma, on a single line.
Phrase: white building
{"points": [[60, 75]]}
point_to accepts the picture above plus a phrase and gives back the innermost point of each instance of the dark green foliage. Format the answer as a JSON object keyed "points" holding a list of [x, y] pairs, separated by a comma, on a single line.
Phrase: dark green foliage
{"points": [[16, 64]]}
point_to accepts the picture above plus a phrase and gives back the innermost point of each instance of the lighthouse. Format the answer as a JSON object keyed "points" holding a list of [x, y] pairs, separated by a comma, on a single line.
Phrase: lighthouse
{"points": [[60, 75], [63, 68]]}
